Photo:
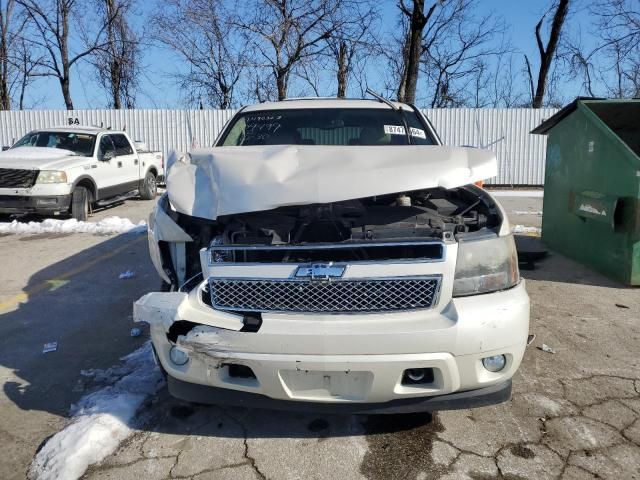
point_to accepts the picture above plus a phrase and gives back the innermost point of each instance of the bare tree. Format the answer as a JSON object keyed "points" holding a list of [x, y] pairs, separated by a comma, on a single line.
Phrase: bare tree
{"points": [[52, 22], [117, 62], [458, 48], [261, 89], [505, 78], [353, 40], [581, 65], [26, 60], [202, 34], [412, 47], [617, 57], [8, 38], [284, 33], [6, 16], [547, 51]]}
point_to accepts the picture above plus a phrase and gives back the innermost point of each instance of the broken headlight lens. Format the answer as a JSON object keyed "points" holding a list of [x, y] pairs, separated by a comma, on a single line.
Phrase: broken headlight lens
{"points": [[219, 256], [485, 264], [51, 176]]}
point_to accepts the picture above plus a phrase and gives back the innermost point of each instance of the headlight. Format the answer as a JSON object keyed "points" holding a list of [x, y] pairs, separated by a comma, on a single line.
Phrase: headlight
{"points": [[485, 264], [51, 176]]}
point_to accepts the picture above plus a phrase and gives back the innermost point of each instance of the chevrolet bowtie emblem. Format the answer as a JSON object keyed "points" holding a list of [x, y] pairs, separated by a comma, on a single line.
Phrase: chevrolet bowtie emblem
{"points": [[320, 271]]}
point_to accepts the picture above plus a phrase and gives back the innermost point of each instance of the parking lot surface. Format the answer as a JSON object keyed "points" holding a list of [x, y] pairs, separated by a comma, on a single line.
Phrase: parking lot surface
{"points": [[574, 414]]}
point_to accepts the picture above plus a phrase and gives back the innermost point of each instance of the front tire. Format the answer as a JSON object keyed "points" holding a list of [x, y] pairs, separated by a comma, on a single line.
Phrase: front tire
{"points": [[80, 204], [149, 188]]}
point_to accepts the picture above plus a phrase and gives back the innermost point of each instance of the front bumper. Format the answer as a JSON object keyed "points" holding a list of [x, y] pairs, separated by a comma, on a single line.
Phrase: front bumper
{"points": [[346, 359], [480, 397], [43, 204]]}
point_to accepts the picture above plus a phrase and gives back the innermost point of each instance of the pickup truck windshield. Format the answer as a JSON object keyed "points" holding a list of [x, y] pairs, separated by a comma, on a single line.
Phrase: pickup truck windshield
{"points": [[78, 143], [327, 126]]}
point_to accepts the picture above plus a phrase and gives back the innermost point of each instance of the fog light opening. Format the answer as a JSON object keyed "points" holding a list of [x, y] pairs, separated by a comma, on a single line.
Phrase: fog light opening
{"points": [[240, 371], [417, 376], [178, 357], [494, 364]]}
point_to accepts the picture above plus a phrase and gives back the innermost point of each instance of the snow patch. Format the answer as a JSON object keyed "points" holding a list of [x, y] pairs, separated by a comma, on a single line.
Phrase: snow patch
{"points": [[107, 226], [527, 212], [101, 420], [517, 193], [526, 229]]}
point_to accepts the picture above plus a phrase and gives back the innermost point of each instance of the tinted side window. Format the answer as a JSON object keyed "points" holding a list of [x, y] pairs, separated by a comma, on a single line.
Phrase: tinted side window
{"points": [[106, 145], [122, 144]]}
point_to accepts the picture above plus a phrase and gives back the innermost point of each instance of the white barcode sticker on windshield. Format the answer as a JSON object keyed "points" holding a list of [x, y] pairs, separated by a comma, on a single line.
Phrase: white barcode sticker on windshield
{"points": [[417, 132], [399, 130], [394, 130]]}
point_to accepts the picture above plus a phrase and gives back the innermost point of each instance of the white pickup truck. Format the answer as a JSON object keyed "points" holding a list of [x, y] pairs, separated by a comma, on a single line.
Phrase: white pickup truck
{"points": [[69, 170]]}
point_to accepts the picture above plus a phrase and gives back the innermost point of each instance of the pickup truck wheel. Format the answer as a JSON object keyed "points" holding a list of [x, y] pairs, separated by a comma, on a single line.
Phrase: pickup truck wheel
{"points": [[149, 188], [80, 204]]}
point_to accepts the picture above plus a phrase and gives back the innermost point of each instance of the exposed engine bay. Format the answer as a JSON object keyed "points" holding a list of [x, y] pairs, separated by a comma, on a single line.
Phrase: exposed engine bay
{"points": [[398, 224]]}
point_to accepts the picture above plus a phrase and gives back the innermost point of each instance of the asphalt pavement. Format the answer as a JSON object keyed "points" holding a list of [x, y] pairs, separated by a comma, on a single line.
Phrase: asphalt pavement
{"points": [[574, 414]]}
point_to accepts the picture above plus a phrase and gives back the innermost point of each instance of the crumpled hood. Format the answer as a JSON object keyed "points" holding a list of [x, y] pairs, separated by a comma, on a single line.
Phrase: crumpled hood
{"points": [[37, 158], [213, 182]]}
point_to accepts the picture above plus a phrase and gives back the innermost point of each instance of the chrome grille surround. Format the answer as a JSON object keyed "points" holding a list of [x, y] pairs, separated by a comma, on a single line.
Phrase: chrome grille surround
{"points": [[17, 178], [351, 295]]}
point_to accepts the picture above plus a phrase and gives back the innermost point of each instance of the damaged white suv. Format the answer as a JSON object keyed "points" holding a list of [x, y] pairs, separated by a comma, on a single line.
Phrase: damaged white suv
{"points": [[333, 255]]}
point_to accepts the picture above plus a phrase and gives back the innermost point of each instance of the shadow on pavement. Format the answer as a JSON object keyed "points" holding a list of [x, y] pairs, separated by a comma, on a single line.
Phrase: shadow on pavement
{"points": [[88, 313], [175, 417], [555, 267]]}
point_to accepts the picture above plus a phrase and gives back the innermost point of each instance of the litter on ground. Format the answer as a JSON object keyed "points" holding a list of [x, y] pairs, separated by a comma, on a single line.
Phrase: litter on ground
{"points": [[127, 274], [547, 348], [50, 347]]}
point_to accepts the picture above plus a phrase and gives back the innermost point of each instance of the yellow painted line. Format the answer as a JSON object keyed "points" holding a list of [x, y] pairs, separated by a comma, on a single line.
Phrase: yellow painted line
{"points": [[55, 283]]}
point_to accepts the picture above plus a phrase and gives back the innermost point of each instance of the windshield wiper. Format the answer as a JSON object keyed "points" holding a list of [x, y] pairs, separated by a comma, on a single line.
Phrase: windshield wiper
{"points": [[400, 110]]}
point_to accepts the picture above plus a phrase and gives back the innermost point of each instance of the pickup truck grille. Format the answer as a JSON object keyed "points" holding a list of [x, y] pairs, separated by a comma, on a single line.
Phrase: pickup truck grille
{"points": [[16, 178], [334, 296]]}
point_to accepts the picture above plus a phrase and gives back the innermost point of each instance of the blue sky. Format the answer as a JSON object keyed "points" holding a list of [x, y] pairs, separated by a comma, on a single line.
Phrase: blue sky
{"points": [[158, 89]]}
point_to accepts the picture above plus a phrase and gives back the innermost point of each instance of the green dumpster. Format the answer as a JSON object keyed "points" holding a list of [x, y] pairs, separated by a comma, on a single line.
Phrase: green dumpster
{"points": [[592, 185]]}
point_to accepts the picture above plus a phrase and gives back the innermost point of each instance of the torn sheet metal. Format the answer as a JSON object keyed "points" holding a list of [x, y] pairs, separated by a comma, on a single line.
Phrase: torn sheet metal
{"points": [[164, 308], [162, 226], [231, 180], [211, 344]]}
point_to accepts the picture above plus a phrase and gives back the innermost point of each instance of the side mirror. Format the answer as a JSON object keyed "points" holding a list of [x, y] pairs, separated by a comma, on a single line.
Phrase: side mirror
{"points": [[106, 156]]}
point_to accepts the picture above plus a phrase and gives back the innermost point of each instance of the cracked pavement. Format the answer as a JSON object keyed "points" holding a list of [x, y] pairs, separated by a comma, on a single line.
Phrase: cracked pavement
{"points": [[574, 414]]}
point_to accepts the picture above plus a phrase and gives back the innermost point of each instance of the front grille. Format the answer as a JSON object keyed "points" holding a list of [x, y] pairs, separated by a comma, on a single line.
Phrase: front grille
{"points": [[16, 178], [335, 296]]}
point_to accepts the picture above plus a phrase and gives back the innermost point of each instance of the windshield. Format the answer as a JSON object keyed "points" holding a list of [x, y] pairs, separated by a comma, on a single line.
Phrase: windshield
{"points": [[78, 143], [326, 126]]}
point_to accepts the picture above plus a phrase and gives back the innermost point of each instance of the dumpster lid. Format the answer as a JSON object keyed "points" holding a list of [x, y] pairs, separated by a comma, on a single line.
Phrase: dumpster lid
{"points": [[560, 115], [620, 116]]}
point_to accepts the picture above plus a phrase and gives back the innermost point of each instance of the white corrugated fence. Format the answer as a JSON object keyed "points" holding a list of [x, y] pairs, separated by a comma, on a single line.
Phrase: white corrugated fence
{"points": [[505, 131]]}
